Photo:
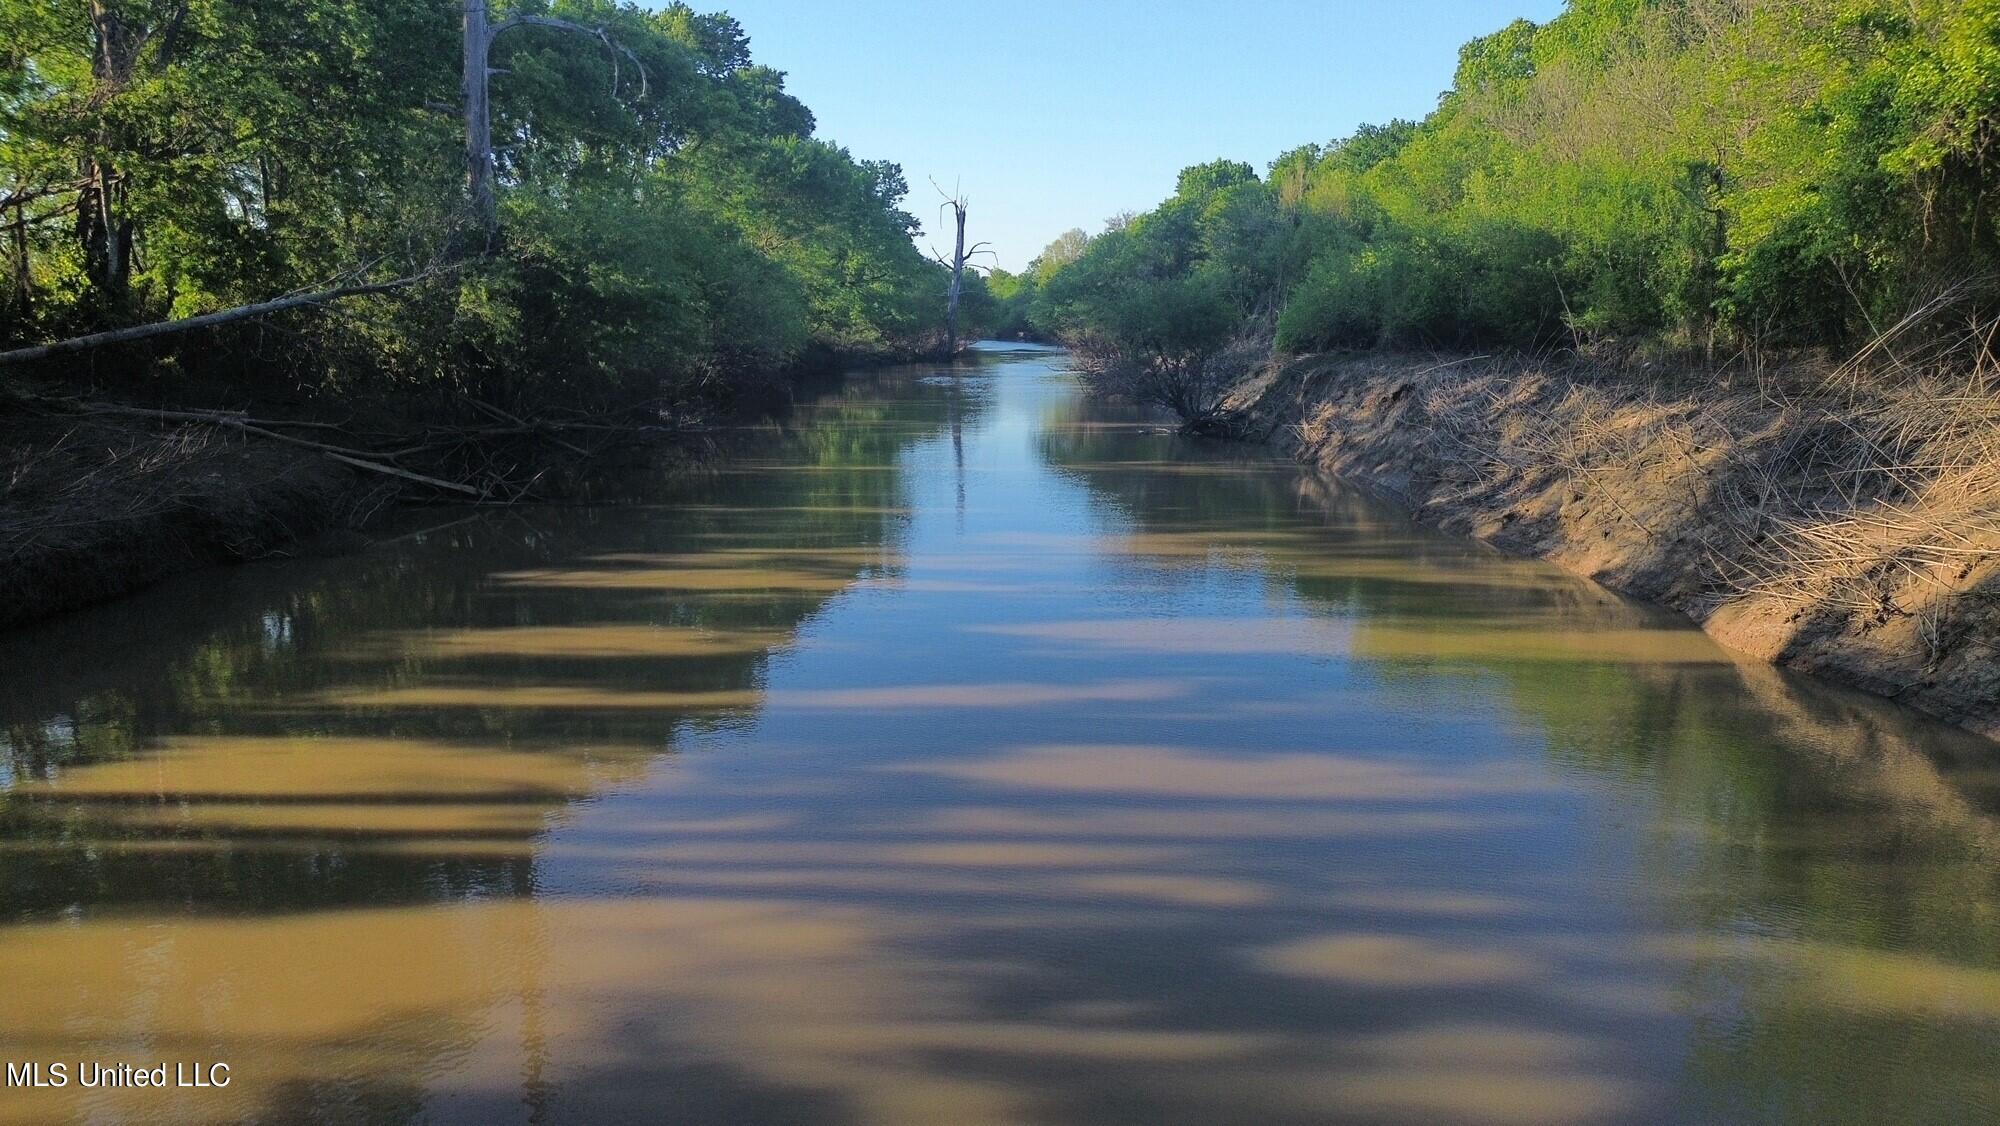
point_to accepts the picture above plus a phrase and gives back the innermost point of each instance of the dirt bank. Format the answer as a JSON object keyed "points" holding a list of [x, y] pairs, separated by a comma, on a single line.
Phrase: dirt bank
{"points": [[1854, 537], [94, 508], [99, 499]]}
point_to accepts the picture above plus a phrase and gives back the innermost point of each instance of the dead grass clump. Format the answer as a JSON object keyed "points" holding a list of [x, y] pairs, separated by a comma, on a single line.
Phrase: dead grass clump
{"points": [[92, 508], [1843, 519], [1873, 496], [1903, 503]]}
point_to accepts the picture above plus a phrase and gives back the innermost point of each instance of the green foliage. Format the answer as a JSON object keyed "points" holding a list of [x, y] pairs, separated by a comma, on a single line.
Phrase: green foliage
{"points": [[1203, 180], [1067, 247], [1702, 172], [671, 224], [1178, 319], [1370, 145]]}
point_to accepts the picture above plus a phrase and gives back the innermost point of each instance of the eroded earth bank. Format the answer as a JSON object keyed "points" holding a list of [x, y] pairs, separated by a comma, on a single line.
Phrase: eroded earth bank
{"points": [[1850, 536]]}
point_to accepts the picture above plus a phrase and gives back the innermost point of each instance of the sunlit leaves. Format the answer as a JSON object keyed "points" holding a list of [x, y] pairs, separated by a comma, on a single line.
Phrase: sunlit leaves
{"points": [[1789, 172]]}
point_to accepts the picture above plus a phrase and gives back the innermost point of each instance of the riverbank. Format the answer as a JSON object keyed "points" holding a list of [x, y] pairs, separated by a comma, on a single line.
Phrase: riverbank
{"points": [[1856, 538], [101, 500], [94, 508]]}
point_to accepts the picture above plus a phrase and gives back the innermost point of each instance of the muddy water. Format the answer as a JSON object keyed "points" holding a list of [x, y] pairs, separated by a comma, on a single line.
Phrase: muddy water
{"points": [[964, 752]]}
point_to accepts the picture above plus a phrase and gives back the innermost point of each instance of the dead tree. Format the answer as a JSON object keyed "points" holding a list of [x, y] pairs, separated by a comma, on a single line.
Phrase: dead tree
{"points": [[479, 37], [957, 265]]}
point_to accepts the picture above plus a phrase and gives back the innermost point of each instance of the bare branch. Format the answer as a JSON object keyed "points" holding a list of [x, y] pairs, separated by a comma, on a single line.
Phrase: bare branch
{"points": [[396, 471], [27, 221], [43, 191], [205, 320], [600, 34]]}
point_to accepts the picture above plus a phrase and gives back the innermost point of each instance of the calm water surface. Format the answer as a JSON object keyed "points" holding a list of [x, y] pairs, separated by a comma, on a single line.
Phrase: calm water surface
{"points": [[969, 753]]}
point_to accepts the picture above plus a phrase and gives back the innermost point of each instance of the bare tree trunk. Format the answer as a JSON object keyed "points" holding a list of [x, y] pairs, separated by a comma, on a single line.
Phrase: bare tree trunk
{"points": [[106, 236], [957, 282], [478, 122], [479, 36]]}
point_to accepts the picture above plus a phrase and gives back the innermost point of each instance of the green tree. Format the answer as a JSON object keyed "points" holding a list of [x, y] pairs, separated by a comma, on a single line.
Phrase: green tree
{"points": [[160, 158]]}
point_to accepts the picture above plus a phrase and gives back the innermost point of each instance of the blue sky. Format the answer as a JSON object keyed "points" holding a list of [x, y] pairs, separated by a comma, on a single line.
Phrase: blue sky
{"points": [[1059, 115]]}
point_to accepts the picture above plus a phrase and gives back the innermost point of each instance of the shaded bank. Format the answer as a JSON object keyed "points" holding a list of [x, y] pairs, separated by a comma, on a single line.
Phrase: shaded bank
{"points": [[1856, 538], [98, 501], [94, 509]]}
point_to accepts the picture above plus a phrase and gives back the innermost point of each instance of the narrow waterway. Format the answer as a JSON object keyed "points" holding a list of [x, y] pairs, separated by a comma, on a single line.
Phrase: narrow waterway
{"points": [[966, 751]]}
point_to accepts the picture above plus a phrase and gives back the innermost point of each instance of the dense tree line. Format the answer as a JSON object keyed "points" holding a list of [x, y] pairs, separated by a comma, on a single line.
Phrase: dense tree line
{"points": [[669, 219], [1723, 177]]}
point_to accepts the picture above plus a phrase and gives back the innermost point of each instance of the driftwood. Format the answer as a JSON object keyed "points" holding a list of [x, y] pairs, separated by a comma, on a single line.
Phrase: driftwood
{"points": [[358, 458], [205, 320], [393, 471], [225, 418], [528, 427]]}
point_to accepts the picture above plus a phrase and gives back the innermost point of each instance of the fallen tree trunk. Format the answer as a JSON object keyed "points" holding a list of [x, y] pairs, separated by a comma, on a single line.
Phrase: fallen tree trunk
{"points": [[346, 455], [440, 441], [217, 418], [393, 471], [205, 320]]}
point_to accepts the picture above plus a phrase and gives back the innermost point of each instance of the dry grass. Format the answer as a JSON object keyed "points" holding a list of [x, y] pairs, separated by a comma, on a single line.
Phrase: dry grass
{"points": [[1839, 518], [1875, 497], [1900, 509], [1912, 508], [91, 475], [91, 508]]}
